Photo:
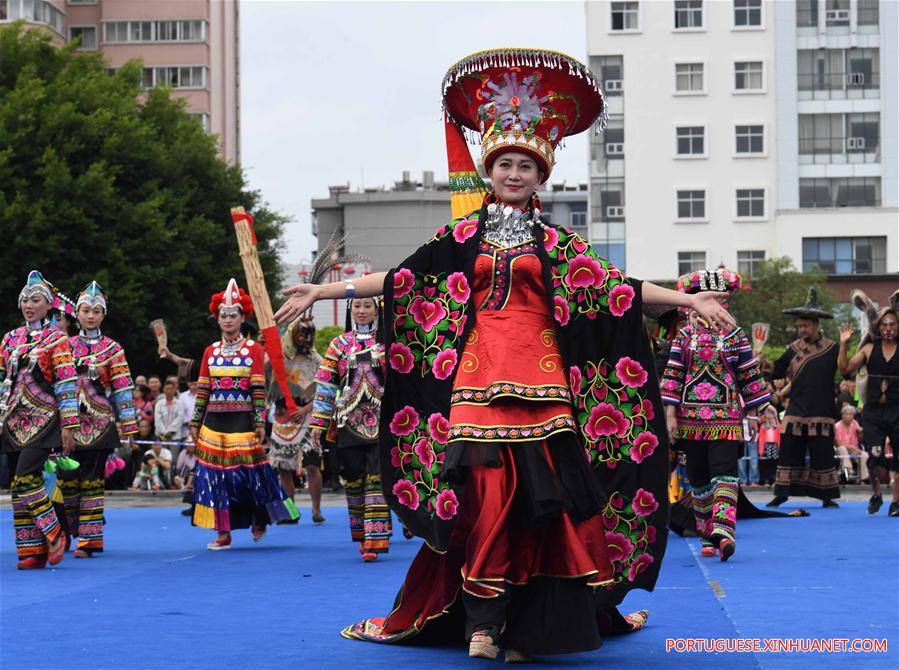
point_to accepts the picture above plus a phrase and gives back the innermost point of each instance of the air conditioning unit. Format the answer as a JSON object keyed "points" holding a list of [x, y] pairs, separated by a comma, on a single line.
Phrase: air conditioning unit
{"points": [[613, 85], [855, 143], [615, 149], [613, 212], [837, 15], [855, 78]]}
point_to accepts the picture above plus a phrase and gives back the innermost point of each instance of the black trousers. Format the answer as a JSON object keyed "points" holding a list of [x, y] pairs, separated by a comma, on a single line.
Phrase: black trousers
{"points": [[707, 459]]}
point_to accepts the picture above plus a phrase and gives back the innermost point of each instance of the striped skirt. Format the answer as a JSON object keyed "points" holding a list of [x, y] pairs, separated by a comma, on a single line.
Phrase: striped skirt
{"points": [[234, 485]]}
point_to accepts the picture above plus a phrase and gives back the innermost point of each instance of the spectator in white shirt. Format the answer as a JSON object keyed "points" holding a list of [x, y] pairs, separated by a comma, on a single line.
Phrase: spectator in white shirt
{"points": [[168, 415], [188, 400]]}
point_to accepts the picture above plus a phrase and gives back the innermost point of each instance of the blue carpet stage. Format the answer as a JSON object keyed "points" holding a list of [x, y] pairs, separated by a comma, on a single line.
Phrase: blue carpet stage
{"points": [[158, 600]]}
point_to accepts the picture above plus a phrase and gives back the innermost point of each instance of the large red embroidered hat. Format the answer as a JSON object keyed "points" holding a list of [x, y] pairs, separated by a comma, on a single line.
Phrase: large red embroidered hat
{"points": [[521, 100], [232, 296]]}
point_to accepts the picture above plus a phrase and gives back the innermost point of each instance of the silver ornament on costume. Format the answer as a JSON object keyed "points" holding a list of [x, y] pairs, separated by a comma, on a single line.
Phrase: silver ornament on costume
{"points": [[508, 226]]}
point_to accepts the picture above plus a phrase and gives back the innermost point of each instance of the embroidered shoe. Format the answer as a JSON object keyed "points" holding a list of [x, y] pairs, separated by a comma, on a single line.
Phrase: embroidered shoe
{"points": [[258, 533], [874, 504], [220, 544], [57, 550], [727, 547], [31, 563], [369, 556], [708, 551], [481, 645], [83, 553]]}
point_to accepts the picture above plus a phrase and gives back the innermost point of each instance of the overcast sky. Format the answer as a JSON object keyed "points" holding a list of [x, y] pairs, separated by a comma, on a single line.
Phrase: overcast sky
{"points": [[337, 92]]}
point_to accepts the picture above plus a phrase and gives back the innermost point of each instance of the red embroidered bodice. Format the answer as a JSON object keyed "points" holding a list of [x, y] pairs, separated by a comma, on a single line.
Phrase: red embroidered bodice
{"points": [[511, 383]]}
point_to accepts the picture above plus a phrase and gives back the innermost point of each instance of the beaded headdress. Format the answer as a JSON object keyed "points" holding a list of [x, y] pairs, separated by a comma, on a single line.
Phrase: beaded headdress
{"points": [[720, 279], [232, 297], [93, 296], [36, 285], [523, 100]]}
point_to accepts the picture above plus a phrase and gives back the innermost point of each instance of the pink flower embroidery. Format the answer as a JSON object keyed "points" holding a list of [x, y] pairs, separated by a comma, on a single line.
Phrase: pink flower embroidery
{"points": [[644, 503], [648, 410], [426, 313], [706, 391], [584, 271], [650, 534], [630, 372], [620, 299], [618, 546], [705, 413], [447, 504], [226, 383], [550, 238], [406, 494], [395, 457], [465, 229], [754, 387], [425, 453], [604, 420], [640, 564], [439, 428], [457, 286], [575, 379], [444, 363], [404, 422], [561, 310], [706, 354], [644, 444], [403, 280], [401, 358]]}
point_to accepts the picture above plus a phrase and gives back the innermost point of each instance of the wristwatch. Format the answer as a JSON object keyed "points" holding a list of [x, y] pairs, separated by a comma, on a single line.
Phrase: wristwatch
{"points": [[350, 289]]}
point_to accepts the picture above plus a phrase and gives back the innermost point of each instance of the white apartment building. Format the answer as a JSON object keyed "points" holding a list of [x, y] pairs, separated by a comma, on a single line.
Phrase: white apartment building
{"points": [[742, 130]]}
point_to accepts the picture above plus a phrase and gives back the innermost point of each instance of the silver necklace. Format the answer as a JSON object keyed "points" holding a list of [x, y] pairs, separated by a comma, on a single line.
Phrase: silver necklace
{"points": [[508, 226]]}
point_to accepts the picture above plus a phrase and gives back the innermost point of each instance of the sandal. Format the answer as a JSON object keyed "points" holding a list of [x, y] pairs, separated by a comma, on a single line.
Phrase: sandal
{"points": [[220, 543], [481, 645], [317, 517]]}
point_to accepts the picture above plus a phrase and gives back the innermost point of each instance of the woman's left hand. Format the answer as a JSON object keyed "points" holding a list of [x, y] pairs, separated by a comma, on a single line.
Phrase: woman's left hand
{"points": [[708, 305], [260, 434]]}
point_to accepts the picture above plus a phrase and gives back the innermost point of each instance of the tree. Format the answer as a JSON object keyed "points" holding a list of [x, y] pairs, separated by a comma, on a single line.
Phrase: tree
{"points": [[101, 180], [778, 285]]}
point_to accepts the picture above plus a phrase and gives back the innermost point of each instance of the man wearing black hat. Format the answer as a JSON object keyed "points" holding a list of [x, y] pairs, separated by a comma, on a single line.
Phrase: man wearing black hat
{"points": [[810, 364]]}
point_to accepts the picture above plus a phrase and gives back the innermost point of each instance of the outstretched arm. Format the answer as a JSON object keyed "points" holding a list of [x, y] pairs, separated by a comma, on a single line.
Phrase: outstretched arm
{"points": [[302, 296], [849, 365]]}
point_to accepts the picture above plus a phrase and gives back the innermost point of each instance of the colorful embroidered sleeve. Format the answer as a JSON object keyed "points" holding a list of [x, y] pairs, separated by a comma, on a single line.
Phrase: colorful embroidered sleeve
{"points": [[327, 383], [750, 381], [672, 385], [3, 345], [122, 391], [64, 378], [257, 384], [203, 390]]}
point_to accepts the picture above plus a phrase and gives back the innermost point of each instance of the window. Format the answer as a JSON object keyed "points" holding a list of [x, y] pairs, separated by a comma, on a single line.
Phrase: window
{"points": [[82, 2], [37, 11], [868, 12], [750, 203], [748, 262], [690, 261], [807, 13], [625, 15], [689, 77], [203, 118], [610, 70], [839, 138], [749, 76], [691, 204], [154, 31], [750, 139], [687, 14], [87, 35], [747, 13], [607, 201], [828, 192], [840, 73], [690, 140], [193, 76], [578, 215], [845, 255], [613, 139], [837, 13]]}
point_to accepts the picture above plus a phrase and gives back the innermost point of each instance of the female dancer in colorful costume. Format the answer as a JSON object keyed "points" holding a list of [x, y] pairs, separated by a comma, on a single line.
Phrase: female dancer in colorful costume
{"points": [[104, 398], [234, 486], [291, 445], [353, 368], [522, 434], [712, 378], [38, 412]]}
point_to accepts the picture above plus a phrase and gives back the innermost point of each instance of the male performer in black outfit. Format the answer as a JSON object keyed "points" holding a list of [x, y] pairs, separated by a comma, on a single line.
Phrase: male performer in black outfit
{"points": [[810, 365]]}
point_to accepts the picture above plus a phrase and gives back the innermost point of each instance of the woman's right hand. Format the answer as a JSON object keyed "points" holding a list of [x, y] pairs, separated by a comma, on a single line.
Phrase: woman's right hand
{"points": [[300, 297], [316, 436], [194, 432], [671, 424]]}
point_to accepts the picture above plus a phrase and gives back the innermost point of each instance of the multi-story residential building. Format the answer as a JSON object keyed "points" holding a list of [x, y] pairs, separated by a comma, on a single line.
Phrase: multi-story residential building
{"points": [[387, 225], [190, 45], [757, 129]]}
